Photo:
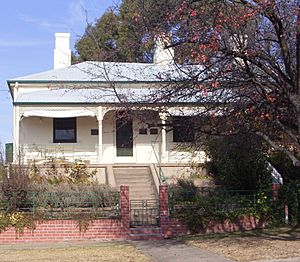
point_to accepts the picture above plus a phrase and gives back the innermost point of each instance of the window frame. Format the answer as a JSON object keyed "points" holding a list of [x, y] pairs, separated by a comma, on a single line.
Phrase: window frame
{"points": [[55, 127]]}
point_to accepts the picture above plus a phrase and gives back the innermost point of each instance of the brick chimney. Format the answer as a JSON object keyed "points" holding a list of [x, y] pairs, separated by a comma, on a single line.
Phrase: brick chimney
{"points": [[62, 51]]}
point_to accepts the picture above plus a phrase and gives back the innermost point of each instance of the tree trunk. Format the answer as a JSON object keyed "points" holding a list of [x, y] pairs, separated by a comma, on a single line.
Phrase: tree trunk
{"points": [[298, 121], [298, 202]]}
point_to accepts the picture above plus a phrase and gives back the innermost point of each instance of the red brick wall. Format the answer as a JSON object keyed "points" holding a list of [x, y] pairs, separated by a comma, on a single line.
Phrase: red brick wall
{"points": [[275, 191], [244, 223], [62, 230], [125, 202], [172, 227]]}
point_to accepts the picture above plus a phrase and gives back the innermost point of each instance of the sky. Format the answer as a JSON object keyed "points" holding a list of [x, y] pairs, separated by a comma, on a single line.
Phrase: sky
{"points": [[27, 31]]}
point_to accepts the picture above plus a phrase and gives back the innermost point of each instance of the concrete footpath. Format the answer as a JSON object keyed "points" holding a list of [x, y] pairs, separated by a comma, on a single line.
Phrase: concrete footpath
{"points": [[175, 251], [295, 259]]}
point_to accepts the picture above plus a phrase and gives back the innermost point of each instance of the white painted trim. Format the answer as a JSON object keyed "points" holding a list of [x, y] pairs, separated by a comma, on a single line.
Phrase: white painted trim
{"points": [[16, 128], [100, 134], [164, 157], [59, 114]]}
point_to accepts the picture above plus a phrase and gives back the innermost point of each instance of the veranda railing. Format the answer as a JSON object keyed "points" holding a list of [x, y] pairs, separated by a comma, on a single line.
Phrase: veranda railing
{"points": [[70, 151]]}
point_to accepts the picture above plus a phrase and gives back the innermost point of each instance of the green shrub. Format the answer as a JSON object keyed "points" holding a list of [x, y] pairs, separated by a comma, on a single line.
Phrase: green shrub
{"points": [[238, 162], [78, 172], [15, 188], [184, 189], [198, 206], [76, 195], [289, 193]]}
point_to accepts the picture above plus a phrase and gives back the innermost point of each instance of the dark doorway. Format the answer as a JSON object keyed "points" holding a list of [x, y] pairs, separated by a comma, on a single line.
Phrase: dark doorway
{"points": [[124, 135]]}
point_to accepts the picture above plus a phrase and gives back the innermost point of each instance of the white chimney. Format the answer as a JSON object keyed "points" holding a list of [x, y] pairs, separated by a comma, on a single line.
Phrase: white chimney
{"points": [[62, 51], [163, 55]]}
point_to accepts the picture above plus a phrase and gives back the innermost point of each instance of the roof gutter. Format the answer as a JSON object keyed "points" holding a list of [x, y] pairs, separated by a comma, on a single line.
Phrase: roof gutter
{"points": [[9, 88], [82, 82], [20, 81], [114, 103]]}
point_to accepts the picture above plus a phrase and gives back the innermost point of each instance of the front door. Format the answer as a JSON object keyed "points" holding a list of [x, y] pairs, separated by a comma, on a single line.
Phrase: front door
{"points": [[124, 138]]}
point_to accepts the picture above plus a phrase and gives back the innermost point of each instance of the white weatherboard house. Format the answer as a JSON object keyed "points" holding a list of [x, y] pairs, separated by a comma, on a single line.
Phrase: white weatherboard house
{"points": [[101, 112]]}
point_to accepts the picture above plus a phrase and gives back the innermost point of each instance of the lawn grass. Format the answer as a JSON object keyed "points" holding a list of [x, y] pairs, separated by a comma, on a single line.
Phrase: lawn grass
{"points": [[72, 252], [253, 245]]}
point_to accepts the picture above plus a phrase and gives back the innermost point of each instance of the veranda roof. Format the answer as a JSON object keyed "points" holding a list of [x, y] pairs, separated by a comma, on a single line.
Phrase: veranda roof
{"points": [[85, 96]]}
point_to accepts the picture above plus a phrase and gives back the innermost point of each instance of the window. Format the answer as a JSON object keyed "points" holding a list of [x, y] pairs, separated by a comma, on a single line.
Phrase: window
{"points": [[143, 131], [94, 132], [153, 131], [183, 129], [64, 130]]}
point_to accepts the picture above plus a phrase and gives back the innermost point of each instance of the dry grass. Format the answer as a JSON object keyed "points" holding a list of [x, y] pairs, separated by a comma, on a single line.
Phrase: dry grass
{"points": [[252, 245], [72, 252]]}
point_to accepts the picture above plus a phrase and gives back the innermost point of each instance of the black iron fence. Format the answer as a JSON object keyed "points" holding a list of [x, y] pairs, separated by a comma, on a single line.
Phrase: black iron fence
{"points": [[144, 212], [219, 200], [69, 205]]}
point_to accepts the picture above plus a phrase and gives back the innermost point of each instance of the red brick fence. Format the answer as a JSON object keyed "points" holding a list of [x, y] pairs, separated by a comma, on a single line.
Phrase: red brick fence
{"points": [[63, 230]]}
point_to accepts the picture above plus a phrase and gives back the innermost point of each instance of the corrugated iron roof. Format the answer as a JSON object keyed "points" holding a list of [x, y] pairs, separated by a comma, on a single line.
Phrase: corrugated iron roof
{"points": [[111, 72]]}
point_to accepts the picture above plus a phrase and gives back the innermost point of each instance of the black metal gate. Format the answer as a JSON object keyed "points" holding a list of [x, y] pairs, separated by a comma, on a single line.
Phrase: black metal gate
{"points": [[144, 212]]}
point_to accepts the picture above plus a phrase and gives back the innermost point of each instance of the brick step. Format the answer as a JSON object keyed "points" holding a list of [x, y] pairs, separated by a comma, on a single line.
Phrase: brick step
{"points": [[145, 230], [135, 237], [145, 233]]}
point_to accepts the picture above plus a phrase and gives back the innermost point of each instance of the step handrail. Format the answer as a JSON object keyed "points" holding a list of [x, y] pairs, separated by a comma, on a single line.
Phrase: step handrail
{"points": [[160, 174]]}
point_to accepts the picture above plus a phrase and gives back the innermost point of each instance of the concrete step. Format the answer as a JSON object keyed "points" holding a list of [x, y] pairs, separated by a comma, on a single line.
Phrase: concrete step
{"points": [[142, 190], [135, 183], [141, 196], [134, 179], [133, 176], [145, 191], [132, 171], [139, 180]]}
